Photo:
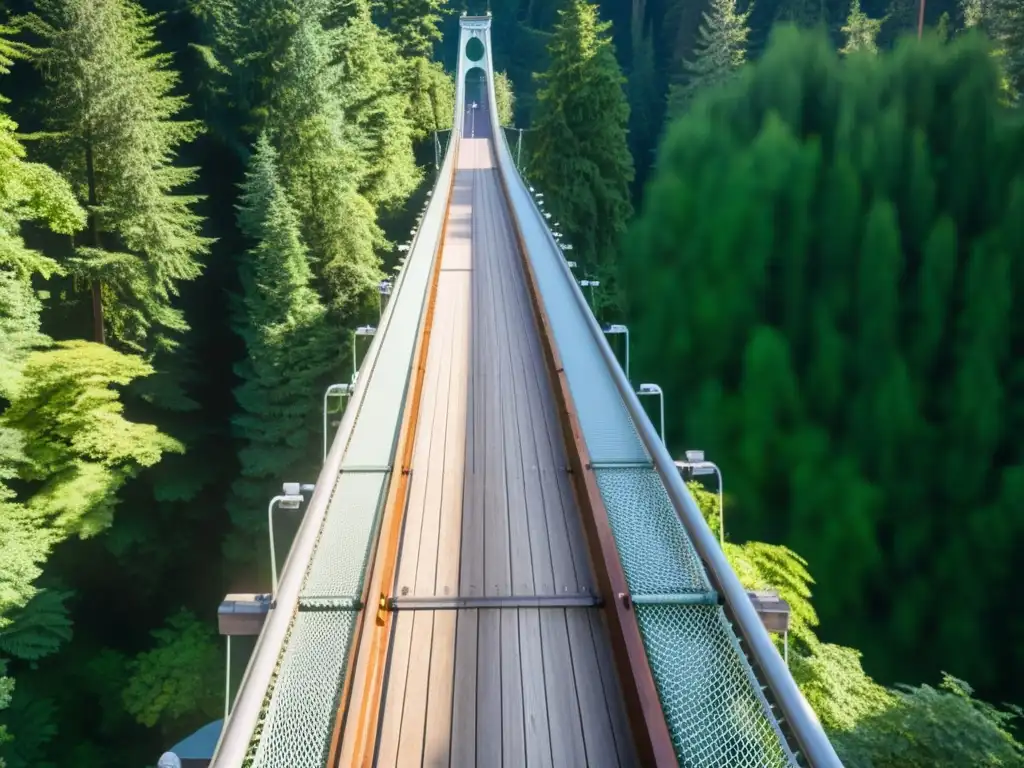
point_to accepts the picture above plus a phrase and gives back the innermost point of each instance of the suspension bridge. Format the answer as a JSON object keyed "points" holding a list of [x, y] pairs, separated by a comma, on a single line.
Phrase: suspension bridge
{"points": [[500, 564]]}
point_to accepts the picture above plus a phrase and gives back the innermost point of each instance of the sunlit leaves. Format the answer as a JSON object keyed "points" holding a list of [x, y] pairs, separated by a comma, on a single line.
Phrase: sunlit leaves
{"points": [[179, 677]]}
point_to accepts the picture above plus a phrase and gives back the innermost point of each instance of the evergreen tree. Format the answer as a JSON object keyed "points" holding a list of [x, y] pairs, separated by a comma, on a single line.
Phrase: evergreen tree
{"points": [[110, 102], [322, 167], [289, 353], [369, 67], [845, 297], [415, 28], [644, 93], [860, 31], [415, 24], [504, 99], [579, 153], [720, 50]]}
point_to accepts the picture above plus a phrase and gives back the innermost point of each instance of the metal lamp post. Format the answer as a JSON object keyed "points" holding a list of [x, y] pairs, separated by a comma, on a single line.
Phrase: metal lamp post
{"points": [[363, 330], [614, 329], [654, 389], [591, 284], [383, 289], [342, 390], [291, 498], [696, 465]]}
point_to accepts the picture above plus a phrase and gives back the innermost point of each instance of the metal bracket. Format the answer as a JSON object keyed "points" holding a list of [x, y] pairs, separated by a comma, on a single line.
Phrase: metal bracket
{"points": [[366, 469], [498, 602], [683, 598], [624, 464]]}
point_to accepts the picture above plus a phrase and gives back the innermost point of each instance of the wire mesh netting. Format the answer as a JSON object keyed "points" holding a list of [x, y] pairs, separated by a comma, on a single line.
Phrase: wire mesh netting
{"points": [[296, 727], [339, 562], [716, 712]]}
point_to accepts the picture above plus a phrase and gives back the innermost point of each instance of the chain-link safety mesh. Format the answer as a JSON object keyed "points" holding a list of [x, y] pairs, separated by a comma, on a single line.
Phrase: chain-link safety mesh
{"points": [[716, 712], [296, 727], [339, 562], [656, 553]]}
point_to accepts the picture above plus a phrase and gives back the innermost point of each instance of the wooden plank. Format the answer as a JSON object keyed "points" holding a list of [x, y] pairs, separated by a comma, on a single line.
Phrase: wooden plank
{"points": [[471, 573], [646, 716], [352, 738], [437, 739], [414, 717], [596, 711], [404, 653], [612, 690]]}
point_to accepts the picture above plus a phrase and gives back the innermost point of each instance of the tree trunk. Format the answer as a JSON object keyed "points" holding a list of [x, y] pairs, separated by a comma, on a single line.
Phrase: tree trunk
{"points": [[99, 332]]}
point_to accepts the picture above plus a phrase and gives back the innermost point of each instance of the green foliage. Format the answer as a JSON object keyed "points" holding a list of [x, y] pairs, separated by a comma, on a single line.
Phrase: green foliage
{"points": [[579, 154], [933, 728], [289, 351], [31, 720], [415, 24], [321, 168], [79, 449], [110, 104], [643, 90], [504, 99], [369, 70], [179, 678], [721, 48], [860, 31], [835, 258], [837, 688], [38, 629]]}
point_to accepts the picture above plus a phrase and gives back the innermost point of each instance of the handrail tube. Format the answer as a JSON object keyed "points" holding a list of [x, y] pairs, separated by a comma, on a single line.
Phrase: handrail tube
{"points": [[804, 724], [241, 725]]}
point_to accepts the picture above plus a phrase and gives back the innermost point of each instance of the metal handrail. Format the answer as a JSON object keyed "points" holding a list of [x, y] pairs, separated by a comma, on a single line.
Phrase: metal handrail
{"points": [[239, 728], [803, 722]]}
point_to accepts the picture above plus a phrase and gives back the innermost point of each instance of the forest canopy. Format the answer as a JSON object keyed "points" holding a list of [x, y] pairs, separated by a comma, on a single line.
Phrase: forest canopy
{"points": [[815, 238]]}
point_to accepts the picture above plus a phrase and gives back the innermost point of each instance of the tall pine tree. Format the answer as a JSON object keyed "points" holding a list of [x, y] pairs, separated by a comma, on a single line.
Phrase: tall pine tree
{"points": [[289, 353], [720, 50], [579, 154], [860, 31], [369, 69], [110, 101]]}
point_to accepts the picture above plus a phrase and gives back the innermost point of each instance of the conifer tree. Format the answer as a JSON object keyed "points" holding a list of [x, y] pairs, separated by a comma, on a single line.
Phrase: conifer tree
{"points": [[322, 167], [860, 31], [109, 97], [849, 361], [369, 67], [415, 24], [579, 152], [720, 50], [504, 99], [415, 27], [644, 92], [289, 351]]}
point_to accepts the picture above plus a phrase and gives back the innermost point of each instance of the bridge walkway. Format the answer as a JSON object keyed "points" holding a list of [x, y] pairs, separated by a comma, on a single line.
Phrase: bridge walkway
{"points": [[491, 514]]}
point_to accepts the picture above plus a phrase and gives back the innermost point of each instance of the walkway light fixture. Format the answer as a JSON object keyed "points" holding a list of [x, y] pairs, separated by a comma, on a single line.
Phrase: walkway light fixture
{"points": [[338, 390], [383, 289], [695, 466], [291, 498], [363, 330], [591, 284], [613, 330], [239, 615], [654, 389]]}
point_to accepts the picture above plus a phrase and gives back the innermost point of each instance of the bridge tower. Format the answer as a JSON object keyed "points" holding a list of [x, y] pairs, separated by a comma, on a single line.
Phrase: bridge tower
{"points": [[473, 28]]}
